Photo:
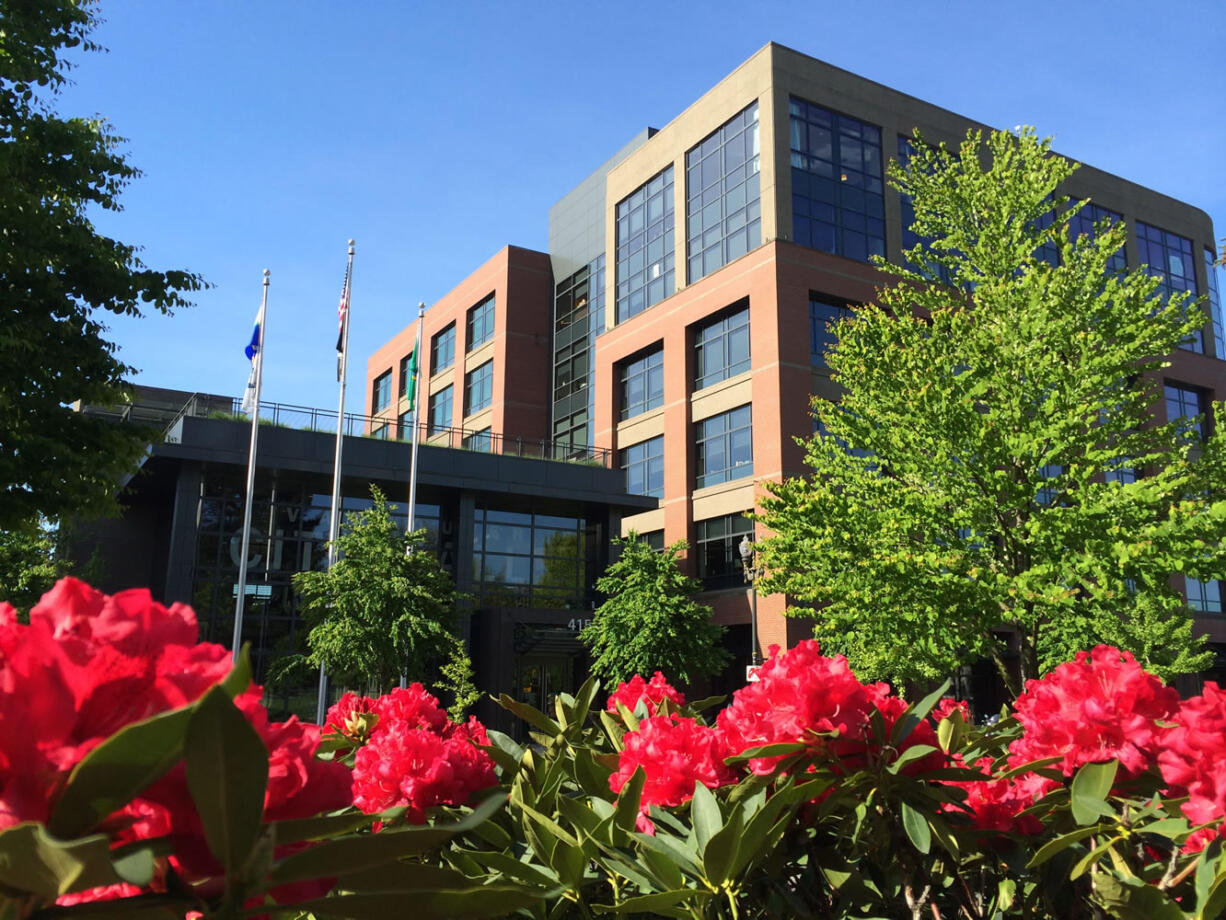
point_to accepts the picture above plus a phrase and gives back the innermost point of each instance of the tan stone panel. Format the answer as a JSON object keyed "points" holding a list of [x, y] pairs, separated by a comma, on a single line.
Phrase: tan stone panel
{"points": [[722, 397]]}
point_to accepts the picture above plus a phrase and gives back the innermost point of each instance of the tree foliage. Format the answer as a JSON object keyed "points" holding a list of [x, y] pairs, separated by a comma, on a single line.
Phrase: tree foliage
{"points": [[59, 277], [650, 621], [991, 474], [383, 610], [29, 564]]}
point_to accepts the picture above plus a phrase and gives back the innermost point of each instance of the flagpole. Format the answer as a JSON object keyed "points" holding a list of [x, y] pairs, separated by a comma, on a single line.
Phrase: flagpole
{"points": [[334, 524], [240, 600], [421, 321]]}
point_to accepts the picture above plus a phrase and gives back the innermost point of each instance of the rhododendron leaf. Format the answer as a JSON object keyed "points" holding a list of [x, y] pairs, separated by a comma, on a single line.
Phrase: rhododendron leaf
{"points": [[629, 718], [458, 904], [660, 903], [549, 824], [517, 870], [916, 826], [504, 751], [672, 849], [317, 828], [1134, 900], [33, 861], [402, 876], [227, 775], [1033, 766], [705, 813], [613, 729], [1214, 904], [1090, 788], [779, 749], [1061, 843], [569, 862], [1206, 869], [707, 702], [1083, 865], [579, 814], [915, 752], [940, 830], [591, 774], [529, 714], [916, 713], [626, 811], [110, 775], [719, 856], [1171, 828], [238, 679]]}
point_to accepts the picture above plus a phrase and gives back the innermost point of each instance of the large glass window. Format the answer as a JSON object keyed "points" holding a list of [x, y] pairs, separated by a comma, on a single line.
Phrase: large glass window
{"points": [[725, 447], [1215, 306], [524, 559], [837, 203], [1204, 596], [644, 466], [479, 440], [719, 559], [570, 435], [479, 388], [440, 409], [570, 367], [642, 383], [480, 324], [1186, 406], [1169, 257], [823, 311], [722, 349], [403, 387], [723, 201], [381, 393], [442, 349], [645, 246]]}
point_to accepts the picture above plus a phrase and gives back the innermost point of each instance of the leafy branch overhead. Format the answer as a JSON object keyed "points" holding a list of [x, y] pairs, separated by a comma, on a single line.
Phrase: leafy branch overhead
{"points": [[991, 465]]}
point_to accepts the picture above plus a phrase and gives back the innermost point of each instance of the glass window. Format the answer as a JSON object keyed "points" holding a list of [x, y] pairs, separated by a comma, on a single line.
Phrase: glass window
{"points": [[381, 392], [654, 539], [822, 312], [645, 246], [440, 410], [642, 382], [403, 387], [530, 559], [404, 426], [723, 201], [570, 436], [1186, 406], [442, 349], [644, 466], [480, 323], [1169, 257], [1083, 223], [570, 369], [1215, 306], [1204, 596], [837, 203], [380, 432], [722, 349], [719, 559], [479, 388], [479, 441], [1047, 492], [725, 447]]}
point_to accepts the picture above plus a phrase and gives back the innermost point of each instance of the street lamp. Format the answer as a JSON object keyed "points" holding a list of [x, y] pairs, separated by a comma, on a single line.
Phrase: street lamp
{"points": [[751, 572]]}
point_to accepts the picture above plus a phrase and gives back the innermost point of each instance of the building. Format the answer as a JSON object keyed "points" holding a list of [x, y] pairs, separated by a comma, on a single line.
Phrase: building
{"points": [[694, 273], [524, 537]]}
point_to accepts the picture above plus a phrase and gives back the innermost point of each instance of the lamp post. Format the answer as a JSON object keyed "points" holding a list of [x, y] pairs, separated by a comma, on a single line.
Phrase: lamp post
{"points": [[751, 572]]}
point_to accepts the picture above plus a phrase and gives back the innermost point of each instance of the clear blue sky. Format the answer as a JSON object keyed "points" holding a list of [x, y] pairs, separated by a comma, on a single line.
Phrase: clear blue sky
{"points": [[434, 133]]}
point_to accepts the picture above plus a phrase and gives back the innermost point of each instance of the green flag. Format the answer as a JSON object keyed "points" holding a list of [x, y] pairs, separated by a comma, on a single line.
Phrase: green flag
{"points": [[411, 390]]}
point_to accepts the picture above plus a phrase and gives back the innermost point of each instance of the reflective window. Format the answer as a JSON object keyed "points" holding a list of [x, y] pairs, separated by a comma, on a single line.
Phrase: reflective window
{"points": [[440, 410], [644, 466], [1169, 257], [570, 435], [642, 382], [1187, 406], [723, 201], [1215, 306], [822, 312], [404, 426], [722, 349], [381, 432], [570, 368], [716, 546], [724, 447], [480, 324], [479, 441], [837, 203], [1047, 493], [381, 393], [442, 349], [645, 246], [654, 539], [479, 388], [1204, 596], [530, 560], [403, 388]]}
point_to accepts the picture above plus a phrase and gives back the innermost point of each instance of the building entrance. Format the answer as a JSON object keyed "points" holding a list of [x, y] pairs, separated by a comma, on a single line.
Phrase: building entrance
{"points": [[540, 678]]}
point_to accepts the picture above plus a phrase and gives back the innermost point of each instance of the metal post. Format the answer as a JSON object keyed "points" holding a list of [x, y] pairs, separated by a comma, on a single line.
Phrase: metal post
{"points": [[751, 571]]}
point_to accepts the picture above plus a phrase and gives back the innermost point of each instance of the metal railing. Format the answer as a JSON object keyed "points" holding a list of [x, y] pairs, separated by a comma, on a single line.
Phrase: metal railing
{"points": [[355, 425]]}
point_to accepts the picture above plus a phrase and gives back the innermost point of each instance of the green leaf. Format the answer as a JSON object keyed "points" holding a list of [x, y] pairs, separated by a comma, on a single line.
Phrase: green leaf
{"points": [[705, 813], [298, 829], [31, 860], [1082, 866], [531, 715], [658, 903], [227, 775], [1090, 788], [114, 772], [457, 904], [1134, 901], [915, 714], [913, 753], [525, 873], [1061, 843], [782, 748], [916, 826], [626, 811], [720, 854]]}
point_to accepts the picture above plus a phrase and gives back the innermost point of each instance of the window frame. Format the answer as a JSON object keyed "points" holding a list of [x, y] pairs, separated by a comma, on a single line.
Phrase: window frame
{"points": [[725, 437], [727, 324], [479, 324], [443, 339], [486, 369]]}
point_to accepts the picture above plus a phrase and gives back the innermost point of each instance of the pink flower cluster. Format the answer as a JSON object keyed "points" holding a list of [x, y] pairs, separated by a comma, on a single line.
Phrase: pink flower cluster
{"points": [[652, 693], [1191, 760], [87, 665], [410, 753]]}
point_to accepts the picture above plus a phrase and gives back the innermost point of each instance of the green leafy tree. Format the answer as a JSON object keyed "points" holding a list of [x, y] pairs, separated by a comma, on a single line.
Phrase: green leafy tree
{"points": [[384, 609], [29, 564], [991, 474], [59, 278], [650, 621]]}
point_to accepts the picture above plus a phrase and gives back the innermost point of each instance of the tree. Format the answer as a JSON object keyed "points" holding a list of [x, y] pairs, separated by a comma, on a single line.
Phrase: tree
{"points": [[650, 621], [992, 473], [59, 277], [29, 564], [384, 609]]}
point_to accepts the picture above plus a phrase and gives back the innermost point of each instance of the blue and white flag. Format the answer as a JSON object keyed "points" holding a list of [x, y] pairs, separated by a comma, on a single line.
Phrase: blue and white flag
{"points": [[252, 352]]}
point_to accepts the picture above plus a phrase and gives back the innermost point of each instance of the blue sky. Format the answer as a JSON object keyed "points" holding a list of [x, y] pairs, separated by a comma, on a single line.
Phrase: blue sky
{"points": [[271, 132]]}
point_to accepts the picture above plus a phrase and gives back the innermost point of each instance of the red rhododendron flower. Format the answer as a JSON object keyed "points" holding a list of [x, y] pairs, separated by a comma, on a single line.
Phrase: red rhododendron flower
{"points": [[997, 804], [676, 754], [1100, 707], [801, 696], [352, 717], [652, 692], [947, 707], [1191, 760]]}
